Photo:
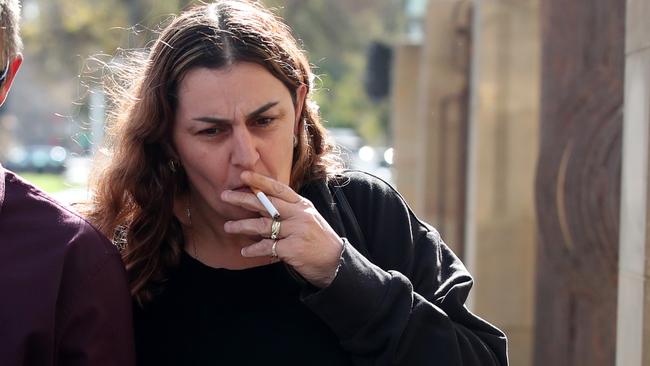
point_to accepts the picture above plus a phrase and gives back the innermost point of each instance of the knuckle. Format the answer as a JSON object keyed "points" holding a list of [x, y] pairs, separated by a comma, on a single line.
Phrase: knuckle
{"points": [[305, 203], [261, 224], [279, 188], [251, 200]]}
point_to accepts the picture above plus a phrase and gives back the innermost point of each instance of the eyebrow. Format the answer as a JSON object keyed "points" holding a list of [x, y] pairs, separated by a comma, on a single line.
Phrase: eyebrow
{"points": [[252, 114]]}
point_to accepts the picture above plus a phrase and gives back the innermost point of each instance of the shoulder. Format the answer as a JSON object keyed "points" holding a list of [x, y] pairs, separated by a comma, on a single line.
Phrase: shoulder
{"points": [[363, 183], [65, 261], [377, 203], [89, 252], [92, 267], [368, 193], [51, 225], [390, 229]]}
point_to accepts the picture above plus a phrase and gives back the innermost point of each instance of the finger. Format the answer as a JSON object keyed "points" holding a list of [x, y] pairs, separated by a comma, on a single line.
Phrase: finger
{"points": [[262, 248], [250, 202], [257, 226], [270, 186], [261, 226], [245, 200]]}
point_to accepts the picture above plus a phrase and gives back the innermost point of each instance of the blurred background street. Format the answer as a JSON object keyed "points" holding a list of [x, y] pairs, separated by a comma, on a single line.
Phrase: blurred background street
{"points": [[68, 43], [519, 129]]}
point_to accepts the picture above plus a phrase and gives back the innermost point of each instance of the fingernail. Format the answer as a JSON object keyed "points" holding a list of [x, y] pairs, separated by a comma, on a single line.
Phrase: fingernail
{"points": [[243, 252]]}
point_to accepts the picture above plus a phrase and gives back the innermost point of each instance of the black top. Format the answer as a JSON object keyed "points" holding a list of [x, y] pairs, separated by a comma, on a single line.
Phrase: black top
{"points": [[397, 299], [209, 316]]}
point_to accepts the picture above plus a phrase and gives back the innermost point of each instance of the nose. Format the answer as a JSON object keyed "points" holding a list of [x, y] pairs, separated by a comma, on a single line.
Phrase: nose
{"points": [[244, 152]]}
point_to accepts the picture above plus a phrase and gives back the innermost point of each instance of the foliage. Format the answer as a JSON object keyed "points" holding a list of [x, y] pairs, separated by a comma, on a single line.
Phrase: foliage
{"points": [[62, 34], [336, 34]]}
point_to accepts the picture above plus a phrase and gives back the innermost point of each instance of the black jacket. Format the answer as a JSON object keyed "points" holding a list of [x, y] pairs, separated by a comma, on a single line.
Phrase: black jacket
{"points": [[398, 297]]}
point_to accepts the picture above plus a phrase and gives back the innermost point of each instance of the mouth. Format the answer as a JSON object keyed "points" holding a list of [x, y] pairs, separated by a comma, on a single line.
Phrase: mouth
{"points": [[245, 189]]}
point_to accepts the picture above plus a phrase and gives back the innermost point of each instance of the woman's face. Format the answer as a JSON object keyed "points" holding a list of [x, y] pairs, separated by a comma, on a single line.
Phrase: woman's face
{"points": [[229, 120]]}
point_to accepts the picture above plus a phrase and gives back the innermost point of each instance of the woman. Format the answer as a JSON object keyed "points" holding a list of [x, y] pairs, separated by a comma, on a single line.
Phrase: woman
{"points": [[346, 275]]}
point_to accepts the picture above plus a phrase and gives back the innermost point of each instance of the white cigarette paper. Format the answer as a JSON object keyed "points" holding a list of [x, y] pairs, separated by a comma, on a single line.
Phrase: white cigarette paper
{"points": [[267, 203]]}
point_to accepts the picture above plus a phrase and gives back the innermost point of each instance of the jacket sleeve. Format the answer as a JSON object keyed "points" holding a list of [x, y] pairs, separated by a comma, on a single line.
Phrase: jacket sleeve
{"points": [[94, 307], [406, 305]]}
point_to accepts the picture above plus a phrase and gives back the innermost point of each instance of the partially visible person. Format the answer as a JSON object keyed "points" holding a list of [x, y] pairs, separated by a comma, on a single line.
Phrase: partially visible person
{"points": [[345, 275], [64, 294]]}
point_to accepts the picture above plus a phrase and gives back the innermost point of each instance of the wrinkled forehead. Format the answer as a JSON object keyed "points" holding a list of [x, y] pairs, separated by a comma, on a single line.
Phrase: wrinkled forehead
{"points": [[242, 87]]}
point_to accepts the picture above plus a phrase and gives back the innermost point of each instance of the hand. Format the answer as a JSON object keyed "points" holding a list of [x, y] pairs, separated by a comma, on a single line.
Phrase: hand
{"points": [[306, 241]]}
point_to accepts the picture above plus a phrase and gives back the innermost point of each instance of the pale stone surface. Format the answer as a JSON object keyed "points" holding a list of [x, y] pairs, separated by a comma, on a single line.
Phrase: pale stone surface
{"points": [[646, 316], [630, 339], [638, 26], [633, 323], [405, 129], [522, 339], [443, 77], [507, 146]]}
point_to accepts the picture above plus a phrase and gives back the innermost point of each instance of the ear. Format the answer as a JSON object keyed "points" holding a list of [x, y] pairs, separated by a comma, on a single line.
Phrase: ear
{"points": [[14, 65], [301, 94], [170, 150]]}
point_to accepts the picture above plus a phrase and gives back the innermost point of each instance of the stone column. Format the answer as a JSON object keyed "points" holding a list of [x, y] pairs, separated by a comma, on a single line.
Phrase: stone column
{"points": [[403, 118], [633, 320], [442, 118], [578, 181], [505, 143]]}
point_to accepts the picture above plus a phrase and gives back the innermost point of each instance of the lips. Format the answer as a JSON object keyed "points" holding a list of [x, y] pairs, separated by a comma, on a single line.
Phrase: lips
{"points": [[242, 189]]}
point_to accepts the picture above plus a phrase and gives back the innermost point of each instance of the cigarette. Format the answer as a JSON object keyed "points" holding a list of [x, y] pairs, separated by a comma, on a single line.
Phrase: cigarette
{"points": [[267, 203]]}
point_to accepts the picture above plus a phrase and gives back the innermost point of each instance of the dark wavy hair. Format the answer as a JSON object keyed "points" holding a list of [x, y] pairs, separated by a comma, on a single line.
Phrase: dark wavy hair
{"points": [[134, 186]]}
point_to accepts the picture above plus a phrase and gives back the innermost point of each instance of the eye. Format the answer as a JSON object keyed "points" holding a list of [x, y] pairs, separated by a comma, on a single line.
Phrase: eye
{"points": [[210, 131], [264, 121]]}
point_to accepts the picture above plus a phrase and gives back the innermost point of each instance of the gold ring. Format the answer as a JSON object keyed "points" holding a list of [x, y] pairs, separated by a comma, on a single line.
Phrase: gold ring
{"points": [[275, 229], [274, 253]]}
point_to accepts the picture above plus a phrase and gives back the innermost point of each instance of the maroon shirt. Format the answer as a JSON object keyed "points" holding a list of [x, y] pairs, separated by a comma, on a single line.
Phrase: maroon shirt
{"points": [[64, 297]]}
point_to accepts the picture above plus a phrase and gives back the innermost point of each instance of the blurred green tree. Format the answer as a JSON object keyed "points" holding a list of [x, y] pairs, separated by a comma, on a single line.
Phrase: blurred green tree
{"points": [[336, 34], [62, 34]]}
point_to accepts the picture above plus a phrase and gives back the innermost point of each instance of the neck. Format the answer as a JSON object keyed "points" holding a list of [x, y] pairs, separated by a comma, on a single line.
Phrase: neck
{"points": [[207, 241]]}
